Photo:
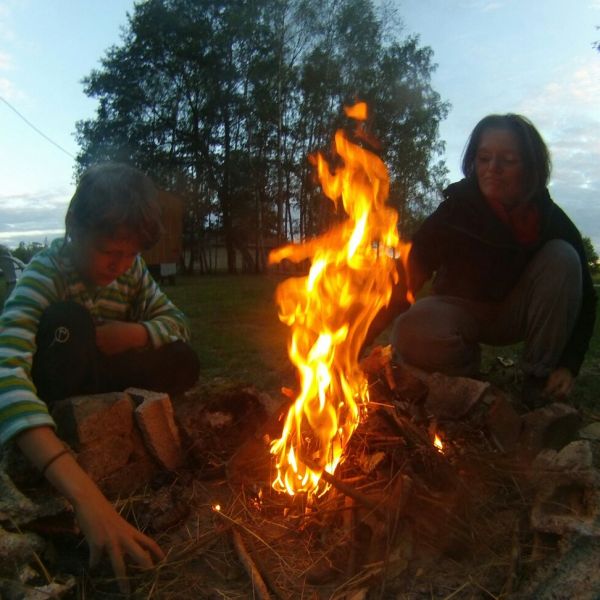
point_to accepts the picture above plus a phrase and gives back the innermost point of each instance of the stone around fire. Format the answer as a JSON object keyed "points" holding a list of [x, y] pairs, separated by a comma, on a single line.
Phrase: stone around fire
{"points": [[155, 418]]}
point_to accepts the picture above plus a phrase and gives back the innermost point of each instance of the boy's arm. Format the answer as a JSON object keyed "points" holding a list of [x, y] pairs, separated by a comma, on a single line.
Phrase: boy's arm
{"points": [[103, 527], [163, 321], [113, 337], [24, 417], [20, 407]]}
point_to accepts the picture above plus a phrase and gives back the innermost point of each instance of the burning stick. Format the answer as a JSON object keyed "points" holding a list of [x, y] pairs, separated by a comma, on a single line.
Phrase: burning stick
{"points": [[380, 359], [352, 274], [345, 488]]}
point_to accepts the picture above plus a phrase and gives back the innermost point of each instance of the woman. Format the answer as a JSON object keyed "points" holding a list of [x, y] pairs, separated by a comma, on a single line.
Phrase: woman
{"points": [[87, 317], [509, 266]]}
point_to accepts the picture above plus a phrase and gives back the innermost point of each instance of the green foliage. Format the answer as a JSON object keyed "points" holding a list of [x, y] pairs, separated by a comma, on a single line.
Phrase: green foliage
{"points": [[591, 255], [239, 338], [222, 102], [235, 329], [25, 251]]}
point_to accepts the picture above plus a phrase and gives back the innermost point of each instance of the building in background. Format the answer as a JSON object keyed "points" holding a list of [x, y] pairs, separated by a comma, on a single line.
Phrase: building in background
{"points": [[163, 258]]}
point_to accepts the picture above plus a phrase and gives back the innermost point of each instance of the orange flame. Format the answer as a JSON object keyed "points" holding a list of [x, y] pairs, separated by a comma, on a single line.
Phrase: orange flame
{"points": [[330, 310], [437, 442]]}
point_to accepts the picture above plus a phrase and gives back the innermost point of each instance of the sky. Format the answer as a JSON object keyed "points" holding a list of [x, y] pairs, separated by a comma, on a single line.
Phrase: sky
{"points": [[493, 56]]}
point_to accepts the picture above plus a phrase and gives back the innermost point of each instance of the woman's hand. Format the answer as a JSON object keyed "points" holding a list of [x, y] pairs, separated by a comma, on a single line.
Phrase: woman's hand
{"points": [[560, 383], [113, 337], [104, 529]]}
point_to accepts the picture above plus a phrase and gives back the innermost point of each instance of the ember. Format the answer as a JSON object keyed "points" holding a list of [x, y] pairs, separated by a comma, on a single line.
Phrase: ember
{"points": [[330, 311]]}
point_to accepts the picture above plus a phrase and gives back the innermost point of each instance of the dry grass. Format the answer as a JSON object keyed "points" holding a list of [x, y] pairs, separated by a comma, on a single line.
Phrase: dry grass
{"points": [[450, 525]]}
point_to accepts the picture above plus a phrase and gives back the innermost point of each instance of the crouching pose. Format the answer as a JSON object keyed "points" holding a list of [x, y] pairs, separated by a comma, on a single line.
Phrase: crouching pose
{"points": [[86, 317], [509, 266]]}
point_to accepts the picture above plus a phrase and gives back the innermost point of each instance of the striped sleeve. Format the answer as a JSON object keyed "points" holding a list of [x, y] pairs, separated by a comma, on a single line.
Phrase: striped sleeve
{"points": [[20, 408], [153, 309]]}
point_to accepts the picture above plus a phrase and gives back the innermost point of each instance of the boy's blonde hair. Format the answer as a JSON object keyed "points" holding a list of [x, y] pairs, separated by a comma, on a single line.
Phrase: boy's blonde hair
{"points": [[112, 197]]}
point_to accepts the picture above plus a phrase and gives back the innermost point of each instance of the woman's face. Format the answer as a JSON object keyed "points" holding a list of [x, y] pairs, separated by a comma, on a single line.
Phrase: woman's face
{"points": [[499, 167], [101, 259]]}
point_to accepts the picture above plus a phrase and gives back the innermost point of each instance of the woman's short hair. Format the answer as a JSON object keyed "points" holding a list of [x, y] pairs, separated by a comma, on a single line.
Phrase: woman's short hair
{"points": [[115, 196], [534, 152]]}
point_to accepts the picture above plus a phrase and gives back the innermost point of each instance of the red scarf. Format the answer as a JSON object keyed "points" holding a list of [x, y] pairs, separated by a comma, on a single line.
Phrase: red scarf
{"points": [[523, 220]]}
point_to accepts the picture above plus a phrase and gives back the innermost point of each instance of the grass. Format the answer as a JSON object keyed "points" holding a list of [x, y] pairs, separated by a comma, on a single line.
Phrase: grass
{"points": [[236, 331], [239, 338]]}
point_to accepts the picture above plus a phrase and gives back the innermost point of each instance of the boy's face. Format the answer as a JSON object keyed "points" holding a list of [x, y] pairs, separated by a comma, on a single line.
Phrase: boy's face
{"points": [[101, 259]]}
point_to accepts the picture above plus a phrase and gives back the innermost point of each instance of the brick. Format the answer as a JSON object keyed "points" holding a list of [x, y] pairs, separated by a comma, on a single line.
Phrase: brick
{"points": [[591, 431], [155, 418], [452, 397], [552, 426], [85, 419], [102, 457], [568, 496], [129, 478], [503, 423], [139, 447]]}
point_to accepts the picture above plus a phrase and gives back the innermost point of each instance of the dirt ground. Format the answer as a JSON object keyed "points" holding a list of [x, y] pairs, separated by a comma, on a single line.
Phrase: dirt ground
{"points": [[402, 519]]}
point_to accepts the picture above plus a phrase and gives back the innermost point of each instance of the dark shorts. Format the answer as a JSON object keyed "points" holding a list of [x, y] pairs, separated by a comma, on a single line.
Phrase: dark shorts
{"points": [[67, 361]]}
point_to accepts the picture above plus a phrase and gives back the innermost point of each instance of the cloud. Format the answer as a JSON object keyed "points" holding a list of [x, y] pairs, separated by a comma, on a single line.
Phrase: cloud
{"points": [[579, 89], [32, 216], [565, 110], [575, 88], [581, 205]]}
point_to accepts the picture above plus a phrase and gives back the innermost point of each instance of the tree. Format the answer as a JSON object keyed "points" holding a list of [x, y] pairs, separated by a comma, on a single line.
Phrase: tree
{"points": [[222, 101], [591, 255], [25, 252]]}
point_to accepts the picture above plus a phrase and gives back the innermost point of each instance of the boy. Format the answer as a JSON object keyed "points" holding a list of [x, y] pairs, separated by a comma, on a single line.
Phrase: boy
{"points": [[87, 317]]}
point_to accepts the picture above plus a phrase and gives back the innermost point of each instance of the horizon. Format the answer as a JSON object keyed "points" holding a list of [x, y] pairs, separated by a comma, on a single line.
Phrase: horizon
{"points": [[490, 60]]}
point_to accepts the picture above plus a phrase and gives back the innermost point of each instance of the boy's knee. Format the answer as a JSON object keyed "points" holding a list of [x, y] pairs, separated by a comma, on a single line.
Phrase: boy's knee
{"points": [[63, 323]]}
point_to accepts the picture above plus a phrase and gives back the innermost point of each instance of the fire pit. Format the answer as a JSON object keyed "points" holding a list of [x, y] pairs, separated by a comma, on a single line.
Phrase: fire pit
{"points": [[374, 480]]}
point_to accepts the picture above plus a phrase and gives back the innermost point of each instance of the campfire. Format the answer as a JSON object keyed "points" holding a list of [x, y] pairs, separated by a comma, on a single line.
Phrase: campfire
{"points": [[330, 310], [445, 490]]}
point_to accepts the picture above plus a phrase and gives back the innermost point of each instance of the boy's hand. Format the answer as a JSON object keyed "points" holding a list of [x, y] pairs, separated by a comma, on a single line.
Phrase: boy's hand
{"points": [[114, 337], [106, 530]]}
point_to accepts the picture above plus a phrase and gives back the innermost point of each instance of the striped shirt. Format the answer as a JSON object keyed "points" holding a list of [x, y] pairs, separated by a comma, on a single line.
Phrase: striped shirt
{"points": [[51, 277]]}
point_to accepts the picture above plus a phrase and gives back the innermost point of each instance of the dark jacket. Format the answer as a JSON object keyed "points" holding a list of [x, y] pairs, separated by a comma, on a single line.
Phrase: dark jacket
{"points": [[475, 255]]}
